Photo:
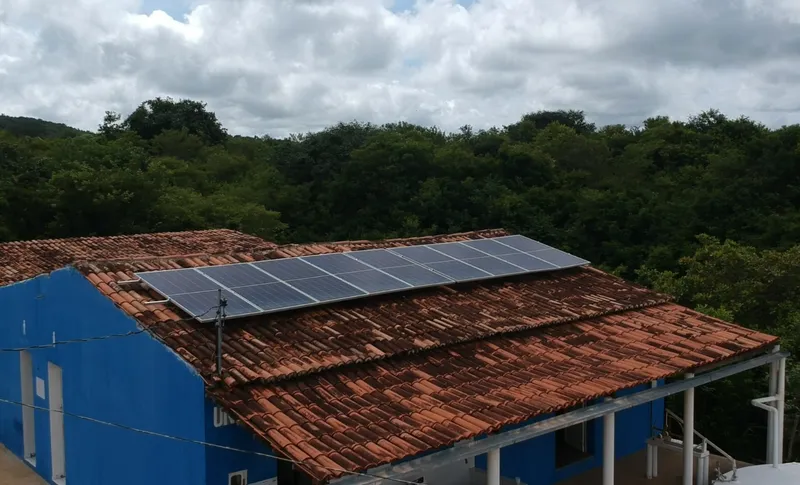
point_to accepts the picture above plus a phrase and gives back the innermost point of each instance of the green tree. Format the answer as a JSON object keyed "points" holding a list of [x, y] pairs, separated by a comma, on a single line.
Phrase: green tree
{"points": [[759, 289], [158, 115]]}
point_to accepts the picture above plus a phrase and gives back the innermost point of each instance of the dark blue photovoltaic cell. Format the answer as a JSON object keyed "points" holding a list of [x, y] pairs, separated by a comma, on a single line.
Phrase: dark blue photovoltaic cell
{"points": [[336, 263], [274, 296], [417, 275], [272, 285], [559, 258], [203, 304], [459, 271], [379, 258], [374, 281], [489, 246], [522, 243], [421, 254], [528, 262], [289, 269], [178, 281], [458, 250], [237, 275], [495, 266], [326, 288]]}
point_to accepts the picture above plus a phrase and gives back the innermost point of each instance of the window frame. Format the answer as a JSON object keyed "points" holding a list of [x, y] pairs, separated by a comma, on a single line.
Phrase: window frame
{"points": [[240, 473]]}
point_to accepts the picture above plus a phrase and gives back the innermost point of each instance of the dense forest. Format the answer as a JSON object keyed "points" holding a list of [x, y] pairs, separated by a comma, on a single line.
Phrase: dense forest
{"points": [[707, 210]]}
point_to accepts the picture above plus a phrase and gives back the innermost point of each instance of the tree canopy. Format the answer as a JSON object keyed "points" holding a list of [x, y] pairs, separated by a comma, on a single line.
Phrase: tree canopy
{"points": [[706, 209]]}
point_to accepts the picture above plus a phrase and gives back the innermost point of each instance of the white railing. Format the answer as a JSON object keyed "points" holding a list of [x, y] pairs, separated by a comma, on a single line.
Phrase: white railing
{"points": [[704, 444]]}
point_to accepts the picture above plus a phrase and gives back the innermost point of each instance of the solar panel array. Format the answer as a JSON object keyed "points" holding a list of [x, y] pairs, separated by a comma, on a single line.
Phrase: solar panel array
{"points": [[284, 284]]}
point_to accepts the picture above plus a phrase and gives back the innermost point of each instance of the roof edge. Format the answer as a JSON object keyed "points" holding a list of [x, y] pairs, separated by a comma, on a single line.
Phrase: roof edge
{"points": [[325, 475]]}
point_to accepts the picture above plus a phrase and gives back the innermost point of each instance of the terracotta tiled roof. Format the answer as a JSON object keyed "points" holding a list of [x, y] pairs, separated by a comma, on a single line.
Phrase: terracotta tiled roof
{"points": [[364, 416], [295, 343], [361, 383], [26, 259]]}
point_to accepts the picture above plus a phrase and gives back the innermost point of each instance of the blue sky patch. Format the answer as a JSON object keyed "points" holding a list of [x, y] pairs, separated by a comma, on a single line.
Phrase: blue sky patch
{"points": [[175, 8], [408, 5]]}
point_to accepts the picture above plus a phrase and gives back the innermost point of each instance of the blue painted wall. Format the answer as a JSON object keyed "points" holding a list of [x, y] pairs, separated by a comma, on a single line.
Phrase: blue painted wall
{"points": [[220, 462], [134, 381], [533, 461]]}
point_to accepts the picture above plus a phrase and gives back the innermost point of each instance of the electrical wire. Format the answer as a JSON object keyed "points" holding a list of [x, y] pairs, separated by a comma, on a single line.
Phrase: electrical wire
{"points": [[204, 443], [100, 337]]}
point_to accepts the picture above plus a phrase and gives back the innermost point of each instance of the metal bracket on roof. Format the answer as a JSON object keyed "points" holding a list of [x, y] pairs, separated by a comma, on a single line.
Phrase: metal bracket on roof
{"points": [[128, 282], [157, 302], [545, 426]]}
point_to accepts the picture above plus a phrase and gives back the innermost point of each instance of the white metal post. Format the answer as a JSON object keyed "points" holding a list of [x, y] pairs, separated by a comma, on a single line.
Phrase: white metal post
{"points": [[688, 433], [608, 448], [493, 467], [779, 404], [652, 450], [701, 474], [772, 425]]}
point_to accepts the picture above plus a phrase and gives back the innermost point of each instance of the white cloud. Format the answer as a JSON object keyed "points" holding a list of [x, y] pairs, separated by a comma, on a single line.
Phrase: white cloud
{"points": [[283, 66]]}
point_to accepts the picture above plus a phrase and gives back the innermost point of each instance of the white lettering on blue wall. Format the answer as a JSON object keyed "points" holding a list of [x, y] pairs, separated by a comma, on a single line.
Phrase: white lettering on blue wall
{"points": [[221, 418]]}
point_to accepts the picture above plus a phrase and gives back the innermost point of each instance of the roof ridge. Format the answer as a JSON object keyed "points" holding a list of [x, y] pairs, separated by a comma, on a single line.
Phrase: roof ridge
{"points": [[120, 236], [478, 232], [92, 264], [516, 329], [278, 251]]}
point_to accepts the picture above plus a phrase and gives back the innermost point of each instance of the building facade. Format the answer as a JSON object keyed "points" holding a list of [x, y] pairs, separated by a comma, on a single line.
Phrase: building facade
{"points": [[140, 405], [134, 381]]}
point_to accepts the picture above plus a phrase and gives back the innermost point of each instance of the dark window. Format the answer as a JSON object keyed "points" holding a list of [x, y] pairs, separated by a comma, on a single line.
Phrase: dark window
{"points": [[575, 443]]}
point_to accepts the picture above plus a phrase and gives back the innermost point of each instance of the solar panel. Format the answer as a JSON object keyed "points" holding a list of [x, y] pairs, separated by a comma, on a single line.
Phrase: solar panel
{"points": [[374, 281], [489, 246], [335, 263], [236, 275], [327, 288], [522, 243], [179, 281], [203, 304], [410, 273], [273, 296], [289, 269], [528, 262], [460, 271], [559, 258], [378, 258], [457, 250], [421, 254], [283, 284], [495, 266], [418, 276]]}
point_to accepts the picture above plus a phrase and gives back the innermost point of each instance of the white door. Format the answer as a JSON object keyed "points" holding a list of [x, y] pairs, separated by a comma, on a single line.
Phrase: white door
{"points": [[55, 389], [26, 394]]}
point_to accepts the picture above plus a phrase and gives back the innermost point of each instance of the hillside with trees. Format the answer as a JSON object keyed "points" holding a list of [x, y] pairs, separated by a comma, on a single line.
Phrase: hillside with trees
{"points": [[707, 210], [24, 126]]}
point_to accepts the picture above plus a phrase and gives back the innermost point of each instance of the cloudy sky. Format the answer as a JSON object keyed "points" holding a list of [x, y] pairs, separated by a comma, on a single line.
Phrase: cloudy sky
{"points": [[281, 66]]}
